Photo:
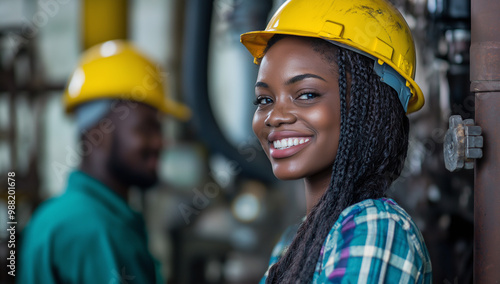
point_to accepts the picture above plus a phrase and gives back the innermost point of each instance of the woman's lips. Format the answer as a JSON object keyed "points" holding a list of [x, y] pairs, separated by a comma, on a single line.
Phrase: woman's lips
{"points": [[287, 152]]}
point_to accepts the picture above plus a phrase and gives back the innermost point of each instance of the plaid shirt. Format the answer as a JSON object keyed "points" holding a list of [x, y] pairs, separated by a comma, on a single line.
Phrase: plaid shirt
{"points": [[374, 241]]}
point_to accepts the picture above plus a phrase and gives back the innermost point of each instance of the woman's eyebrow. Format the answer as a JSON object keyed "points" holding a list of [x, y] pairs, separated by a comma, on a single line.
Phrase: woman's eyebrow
{"points": [[297, 78], [292, 80], [261, 85]]}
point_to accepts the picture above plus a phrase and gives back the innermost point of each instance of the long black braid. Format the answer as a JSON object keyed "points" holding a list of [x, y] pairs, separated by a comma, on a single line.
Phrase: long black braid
{"points": [[372, 149]]}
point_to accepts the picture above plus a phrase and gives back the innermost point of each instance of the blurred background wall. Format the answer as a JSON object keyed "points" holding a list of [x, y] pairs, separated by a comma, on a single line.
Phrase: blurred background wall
{"points": [[218, 210]]}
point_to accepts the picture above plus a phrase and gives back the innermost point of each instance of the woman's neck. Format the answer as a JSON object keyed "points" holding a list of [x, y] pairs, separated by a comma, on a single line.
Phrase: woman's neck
{"points": [[316, 186]]}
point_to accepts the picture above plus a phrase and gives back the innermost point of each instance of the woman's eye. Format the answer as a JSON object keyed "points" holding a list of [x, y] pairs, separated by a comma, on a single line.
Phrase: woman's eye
{"points": [[262, 101], [307, 96]]}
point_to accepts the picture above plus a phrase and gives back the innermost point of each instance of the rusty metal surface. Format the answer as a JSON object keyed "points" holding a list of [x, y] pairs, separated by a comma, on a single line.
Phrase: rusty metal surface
{"points": [[485, 41], [487, 192], [484, 15], [485, 86], [485, 60], [485, 82]]}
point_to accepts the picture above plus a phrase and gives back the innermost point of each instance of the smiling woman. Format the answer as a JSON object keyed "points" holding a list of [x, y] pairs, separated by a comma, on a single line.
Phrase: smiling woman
{"points": [[332, 92], [298, 101]]}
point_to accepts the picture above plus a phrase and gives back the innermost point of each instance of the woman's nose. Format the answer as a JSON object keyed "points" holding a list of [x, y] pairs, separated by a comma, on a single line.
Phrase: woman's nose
{"points": [[280, 114]]}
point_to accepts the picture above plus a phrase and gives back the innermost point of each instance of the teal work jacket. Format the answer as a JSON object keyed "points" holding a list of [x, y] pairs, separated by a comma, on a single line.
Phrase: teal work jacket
{"points": [[87, 235]]}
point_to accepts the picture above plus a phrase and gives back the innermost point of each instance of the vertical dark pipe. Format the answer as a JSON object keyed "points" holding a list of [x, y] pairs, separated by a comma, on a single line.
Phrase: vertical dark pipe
{"points": [[195, 87], [485, 83]]}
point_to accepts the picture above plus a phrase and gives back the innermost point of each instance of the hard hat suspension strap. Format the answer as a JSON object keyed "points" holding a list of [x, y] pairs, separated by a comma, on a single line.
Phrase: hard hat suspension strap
{"points": [[392, 78]]}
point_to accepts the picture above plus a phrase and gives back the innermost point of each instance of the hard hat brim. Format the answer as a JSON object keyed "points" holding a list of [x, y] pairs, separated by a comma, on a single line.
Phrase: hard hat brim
{"points": [[256, 43], [178, 110], [169, 107]]}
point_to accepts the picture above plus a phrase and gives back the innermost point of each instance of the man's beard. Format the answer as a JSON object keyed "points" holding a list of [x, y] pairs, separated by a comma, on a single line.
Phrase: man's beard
{"points": [[119, 168]]}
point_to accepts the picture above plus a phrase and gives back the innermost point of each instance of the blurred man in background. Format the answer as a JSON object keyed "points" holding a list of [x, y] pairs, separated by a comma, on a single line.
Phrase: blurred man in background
{"points": [[89, 234]]}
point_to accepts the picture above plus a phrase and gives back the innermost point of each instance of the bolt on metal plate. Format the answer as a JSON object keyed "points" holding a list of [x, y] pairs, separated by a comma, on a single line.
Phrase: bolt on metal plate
{"points": [[462, 144]]}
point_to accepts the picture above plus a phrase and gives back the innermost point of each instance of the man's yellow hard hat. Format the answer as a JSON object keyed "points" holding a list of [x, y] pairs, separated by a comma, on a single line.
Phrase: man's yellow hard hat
{"points": [[117, 70], [372, 27]]}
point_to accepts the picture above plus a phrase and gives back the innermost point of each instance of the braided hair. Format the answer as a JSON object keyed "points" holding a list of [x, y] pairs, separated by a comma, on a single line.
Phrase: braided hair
{"points": [[372, 149]]}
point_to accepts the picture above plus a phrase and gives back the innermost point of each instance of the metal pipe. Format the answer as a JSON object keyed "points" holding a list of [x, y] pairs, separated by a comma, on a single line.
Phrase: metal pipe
{"points": [[485, 83]]}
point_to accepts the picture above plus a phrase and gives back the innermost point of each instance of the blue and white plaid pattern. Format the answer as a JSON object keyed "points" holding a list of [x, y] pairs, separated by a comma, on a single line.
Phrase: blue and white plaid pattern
{"points": [[374, 241]]}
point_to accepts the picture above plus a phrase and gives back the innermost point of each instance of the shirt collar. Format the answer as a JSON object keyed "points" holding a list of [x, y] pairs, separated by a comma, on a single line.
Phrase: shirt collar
{"points": [[81, 182]]}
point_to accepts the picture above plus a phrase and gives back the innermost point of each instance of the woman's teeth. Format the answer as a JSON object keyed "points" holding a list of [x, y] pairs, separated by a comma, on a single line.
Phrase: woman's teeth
{"points": [[289, 142]]}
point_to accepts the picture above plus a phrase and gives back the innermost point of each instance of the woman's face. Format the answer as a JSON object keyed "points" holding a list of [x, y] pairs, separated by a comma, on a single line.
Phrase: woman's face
{"points": [[298, 116]]}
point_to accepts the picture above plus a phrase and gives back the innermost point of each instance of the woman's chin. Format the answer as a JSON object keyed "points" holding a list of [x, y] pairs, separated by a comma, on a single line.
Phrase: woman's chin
{"points": [[286, 175]]}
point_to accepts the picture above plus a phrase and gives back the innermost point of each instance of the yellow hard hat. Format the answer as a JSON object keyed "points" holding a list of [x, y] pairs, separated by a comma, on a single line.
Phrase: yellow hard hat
{"points": [[117, 70], [374, 28]]}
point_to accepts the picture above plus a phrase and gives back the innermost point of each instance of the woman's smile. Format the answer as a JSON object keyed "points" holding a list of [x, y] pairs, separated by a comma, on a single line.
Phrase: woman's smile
{"points": [[283, 144]]}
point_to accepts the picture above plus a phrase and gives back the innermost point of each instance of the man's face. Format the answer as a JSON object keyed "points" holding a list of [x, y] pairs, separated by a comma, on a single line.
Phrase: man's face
{"points": [[136, 145]]}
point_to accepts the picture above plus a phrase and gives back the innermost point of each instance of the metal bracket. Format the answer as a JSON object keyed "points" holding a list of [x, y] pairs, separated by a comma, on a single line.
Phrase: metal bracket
{"points": [[462, 144]]}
